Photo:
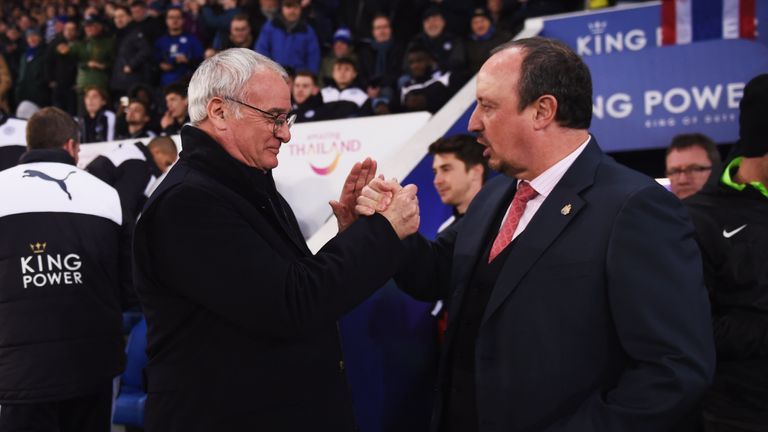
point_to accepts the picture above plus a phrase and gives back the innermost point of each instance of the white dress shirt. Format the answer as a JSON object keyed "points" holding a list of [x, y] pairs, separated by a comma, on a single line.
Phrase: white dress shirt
{"points": [[544, 183]]}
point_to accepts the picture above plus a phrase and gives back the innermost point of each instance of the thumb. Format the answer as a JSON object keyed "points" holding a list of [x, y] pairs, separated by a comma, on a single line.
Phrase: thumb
{"points": [[410, 189]]}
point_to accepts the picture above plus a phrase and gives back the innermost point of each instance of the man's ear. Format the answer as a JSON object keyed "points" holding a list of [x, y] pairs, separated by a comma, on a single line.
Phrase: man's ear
{"points": [[217, 112], [72, 148], [545, 110]]}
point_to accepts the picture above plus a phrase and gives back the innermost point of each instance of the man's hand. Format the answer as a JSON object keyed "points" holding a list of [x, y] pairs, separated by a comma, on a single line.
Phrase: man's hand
{"points": [[181, 58], [403, 212], [165, 66], [376, 196], [166, 120], [344, 209]]}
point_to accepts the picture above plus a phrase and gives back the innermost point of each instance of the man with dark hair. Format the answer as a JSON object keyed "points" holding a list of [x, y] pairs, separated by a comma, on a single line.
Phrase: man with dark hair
{"points": [[176, 114], [425, 87], [177, 52], [690, 161], [240, 35], [97, 123], [344, 98], [446, 48], [136, 121], [61, 276], [133, 63], [460, 170], [306, 100], [731, 219], [576, 299], [382, 57], [62, 71]]}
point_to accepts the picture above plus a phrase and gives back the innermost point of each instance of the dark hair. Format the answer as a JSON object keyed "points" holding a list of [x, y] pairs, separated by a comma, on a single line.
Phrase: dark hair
{"points": [[241, 17], [684, 141], [175, 88], [465, 147], [550, 67], [308, 74], [100, 90], [123, 8], [50, 128], [142, 103], [346, 61], [419, 48], [378, 15]]}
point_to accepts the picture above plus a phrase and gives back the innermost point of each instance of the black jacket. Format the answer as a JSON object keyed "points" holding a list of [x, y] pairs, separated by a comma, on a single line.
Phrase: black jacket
{"points": [[60, 280], [129, 169], [732, 231], [14, 140], [241, 316], [135, 51], [99, 128]]}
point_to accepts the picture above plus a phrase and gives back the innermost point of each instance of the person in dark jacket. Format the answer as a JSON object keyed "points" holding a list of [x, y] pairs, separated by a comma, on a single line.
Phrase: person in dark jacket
{"points": [[483, 38], [98, 122], [133, 62], [289, 40], [343, 97], [219, 24], [447, 49], [382, 57], [241, 316], [62, 71], [731, 220], [61, 278], [136, 121], [130, 169], [424, 87], [31, 84], [177, 109], [305, 96]]}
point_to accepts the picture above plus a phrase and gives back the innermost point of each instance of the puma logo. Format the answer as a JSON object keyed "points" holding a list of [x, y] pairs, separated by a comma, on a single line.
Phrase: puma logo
{"points": [[46, 177]]}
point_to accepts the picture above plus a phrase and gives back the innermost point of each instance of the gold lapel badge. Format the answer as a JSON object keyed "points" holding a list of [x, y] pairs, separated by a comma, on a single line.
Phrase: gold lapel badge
{"points": [[566, 210]]}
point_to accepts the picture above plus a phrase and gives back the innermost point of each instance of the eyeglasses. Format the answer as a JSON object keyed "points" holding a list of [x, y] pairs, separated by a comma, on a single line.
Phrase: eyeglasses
{"points": [[277, 119], [693, 169]]}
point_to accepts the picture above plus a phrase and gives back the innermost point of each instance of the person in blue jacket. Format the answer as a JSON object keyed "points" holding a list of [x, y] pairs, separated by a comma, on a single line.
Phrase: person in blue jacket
{"points": [[177, 52], [289, 40]]}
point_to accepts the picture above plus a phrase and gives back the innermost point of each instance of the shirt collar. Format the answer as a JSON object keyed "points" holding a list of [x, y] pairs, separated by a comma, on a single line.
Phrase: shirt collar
{"points": [[727, 178], [545, 182]]}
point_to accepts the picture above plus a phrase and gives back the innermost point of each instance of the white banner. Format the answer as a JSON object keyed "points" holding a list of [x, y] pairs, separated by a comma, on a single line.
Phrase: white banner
{"points": [[314, 164]]}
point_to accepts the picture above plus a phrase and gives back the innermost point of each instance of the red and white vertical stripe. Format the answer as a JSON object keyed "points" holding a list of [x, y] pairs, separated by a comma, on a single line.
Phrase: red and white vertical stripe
{"points": [[686, 21]]}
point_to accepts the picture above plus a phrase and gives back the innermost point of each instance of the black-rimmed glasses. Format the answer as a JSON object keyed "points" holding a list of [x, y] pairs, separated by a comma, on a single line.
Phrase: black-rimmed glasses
{"points": [[277, 119], [690, 170]]}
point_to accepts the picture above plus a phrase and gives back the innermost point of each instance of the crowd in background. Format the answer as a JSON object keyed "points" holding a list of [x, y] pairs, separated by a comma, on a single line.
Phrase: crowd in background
{"points": [[113, 64]]}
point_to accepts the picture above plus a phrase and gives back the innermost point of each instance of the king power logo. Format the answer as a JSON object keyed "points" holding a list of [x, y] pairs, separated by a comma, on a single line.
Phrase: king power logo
{"points": [[40, 269], [601, 41]]}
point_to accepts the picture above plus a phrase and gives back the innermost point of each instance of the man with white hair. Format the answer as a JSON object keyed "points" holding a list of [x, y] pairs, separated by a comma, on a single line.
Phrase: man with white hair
{"points": [[241, 316]]}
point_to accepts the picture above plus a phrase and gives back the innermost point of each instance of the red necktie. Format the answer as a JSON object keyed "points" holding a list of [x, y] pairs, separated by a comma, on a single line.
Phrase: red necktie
{"points": [[524, 194]]}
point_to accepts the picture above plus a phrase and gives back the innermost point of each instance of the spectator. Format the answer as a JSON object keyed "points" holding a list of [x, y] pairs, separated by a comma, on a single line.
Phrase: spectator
{"points": [[731, 220], [137, 121], [164, 152], [343, 97], [94, 55], [177, 52], [342, 47], [382, 57], [62, 71], [52, 25], [193, 21], [483, 38], [176, 114], [130, 169], [61, 343], [307, 102], [424, 87], [151, 27], [13, 46], [446, 48], [240, 35], [219, 24], [691, 159], [289, 40], [31, 84], [13, 143], [133, 63], [501, 16], [5, 86], [98, 123]]}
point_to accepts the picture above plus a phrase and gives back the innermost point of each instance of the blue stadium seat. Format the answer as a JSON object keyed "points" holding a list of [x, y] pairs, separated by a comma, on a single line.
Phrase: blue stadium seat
{"points": [[129, 404]]}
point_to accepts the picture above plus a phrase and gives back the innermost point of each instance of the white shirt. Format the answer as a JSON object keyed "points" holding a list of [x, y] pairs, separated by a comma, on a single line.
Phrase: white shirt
{"points": [[544, 183]]}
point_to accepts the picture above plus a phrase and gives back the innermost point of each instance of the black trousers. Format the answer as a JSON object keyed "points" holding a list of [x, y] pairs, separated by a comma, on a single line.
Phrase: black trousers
{"points": [[91, 413]]}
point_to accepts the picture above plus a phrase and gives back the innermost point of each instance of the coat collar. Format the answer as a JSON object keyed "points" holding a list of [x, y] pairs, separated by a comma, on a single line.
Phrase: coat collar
{"points": [[46, 155]]}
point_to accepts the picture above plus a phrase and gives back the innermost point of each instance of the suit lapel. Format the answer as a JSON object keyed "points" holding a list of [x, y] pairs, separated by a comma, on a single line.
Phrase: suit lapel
{"points": [[554, 215]]}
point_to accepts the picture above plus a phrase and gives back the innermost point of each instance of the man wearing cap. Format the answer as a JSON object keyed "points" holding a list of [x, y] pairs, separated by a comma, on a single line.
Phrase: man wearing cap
{"points": [[30, 84], [447, 49], [95, 55], [483, 38], [342, 48], [731, 219], [289, 40]]}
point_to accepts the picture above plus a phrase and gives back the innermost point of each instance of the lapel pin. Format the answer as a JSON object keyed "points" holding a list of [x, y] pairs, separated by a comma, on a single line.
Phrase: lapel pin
{"points": [[566, 210]]}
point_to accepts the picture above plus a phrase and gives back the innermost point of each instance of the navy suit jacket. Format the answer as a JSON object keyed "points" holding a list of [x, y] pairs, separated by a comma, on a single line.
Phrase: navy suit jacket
{"points": [[599, 319]]}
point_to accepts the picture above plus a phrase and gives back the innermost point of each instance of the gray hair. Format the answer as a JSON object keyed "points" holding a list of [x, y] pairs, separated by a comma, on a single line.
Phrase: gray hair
{"points": [[226, 75]]}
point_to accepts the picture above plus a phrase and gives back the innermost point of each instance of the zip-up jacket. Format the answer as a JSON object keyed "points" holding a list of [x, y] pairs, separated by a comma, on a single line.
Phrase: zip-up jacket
{"points": [[60, 280]]}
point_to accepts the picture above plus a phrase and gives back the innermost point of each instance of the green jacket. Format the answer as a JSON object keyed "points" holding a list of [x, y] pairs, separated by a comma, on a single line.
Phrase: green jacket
{"points": [[32, 82], [102, 50]]}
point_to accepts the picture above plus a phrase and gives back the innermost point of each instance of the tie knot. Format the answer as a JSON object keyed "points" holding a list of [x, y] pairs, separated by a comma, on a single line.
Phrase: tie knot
{"points": [[525, 192]]}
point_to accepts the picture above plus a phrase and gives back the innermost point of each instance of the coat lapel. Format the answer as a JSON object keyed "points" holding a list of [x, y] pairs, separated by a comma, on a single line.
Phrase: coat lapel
{"points": [[554, 215]]}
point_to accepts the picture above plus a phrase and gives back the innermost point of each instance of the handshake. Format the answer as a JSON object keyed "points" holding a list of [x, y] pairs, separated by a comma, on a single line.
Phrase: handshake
{"points": [[364, 194]]}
